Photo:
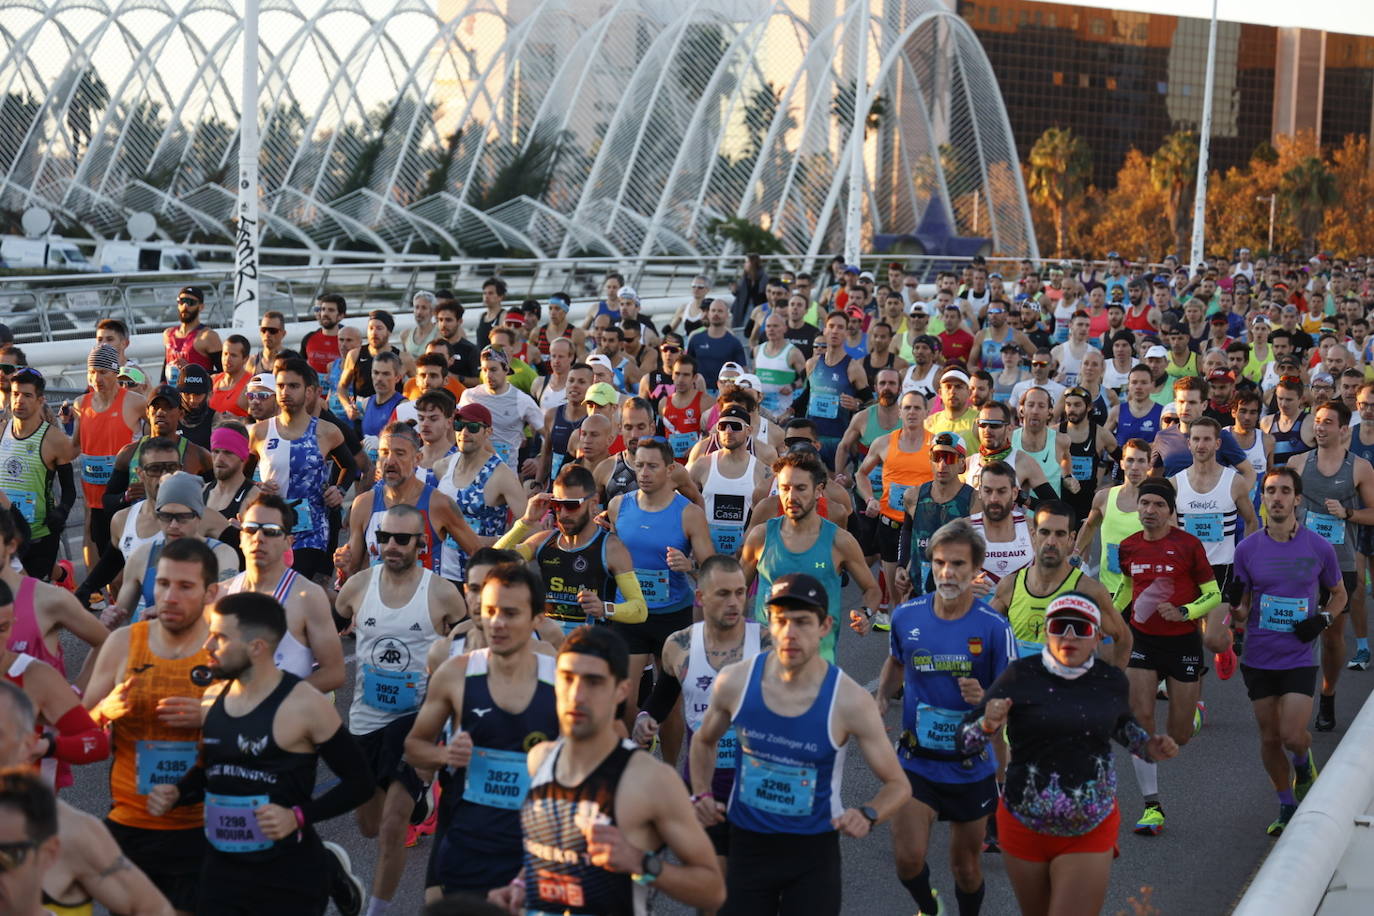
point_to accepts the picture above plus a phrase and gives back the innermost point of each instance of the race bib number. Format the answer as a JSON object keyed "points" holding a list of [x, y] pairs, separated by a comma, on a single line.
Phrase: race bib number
{"points": [[896, 492], [1082, 467], [654, 584], [504, 452], [1279, 615], [305, 521], [727, 750], [777, 788], [25, 502], [682, 443], [162, 763], [1114, 558], [497, 779], [1028, 647], [230, 824], [96, 469], [1207, 527], [825, 404], [1327, 527], [727, 537], [937, 729], [391, 691]]}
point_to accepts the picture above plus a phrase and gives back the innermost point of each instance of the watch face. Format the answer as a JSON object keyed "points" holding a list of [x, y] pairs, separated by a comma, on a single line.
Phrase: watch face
{"points": [[652, 864]]}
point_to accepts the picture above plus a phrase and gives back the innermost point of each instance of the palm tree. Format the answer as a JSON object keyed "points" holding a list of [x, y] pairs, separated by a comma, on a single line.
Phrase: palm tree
{"points": [[89, 97], [1306, 190], [1060, 163], [842, 107], [1173, 171]]}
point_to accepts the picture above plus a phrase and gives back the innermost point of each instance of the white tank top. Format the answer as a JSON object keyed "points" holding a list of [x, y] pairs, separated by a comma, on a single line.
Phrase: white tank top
{"points": [[129, 539], [728, 501], [552, 397], [1071, 364], [1255, 455], [1210, 517], [291, 656], [700, 676], [392, 644], [774, 374], [1005, 557], [973, 476]]}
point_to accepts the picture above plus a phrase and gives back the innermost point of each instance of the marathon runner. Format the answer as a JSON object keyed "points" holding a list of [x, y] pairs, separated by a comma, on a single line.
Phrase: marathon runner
{"points": [[1038, 440], [1138, 416], [1284, 570], [994, 445], [836, 386], [615, 476], [396, 609], [1003, 527], [728, 479], [231, 489], [482, 486], [32, 452], [928, 508], [792, 712], [1362, 444], [190, 343], [946, 649], [780, 365], [561, 421], [434, 426], [1292, 425], [1086, 443], [104, 422], [956, 414], [321, 346], [500, 701], [255, 775], [870, 424], [801, 539], [1171, 453], [1114, 515]]}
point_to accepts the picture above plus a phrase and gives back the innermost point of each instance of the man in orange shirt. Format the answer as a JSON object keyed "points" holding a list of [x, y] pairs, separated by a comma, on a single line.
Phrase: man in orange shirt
{"points": [[431, 373], [104, 422]]}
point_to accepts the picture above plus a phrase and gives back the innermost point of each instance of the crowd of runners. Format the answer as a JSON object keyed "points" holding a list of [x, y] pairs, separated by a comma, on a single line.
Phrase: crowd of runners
{"points": [[584, 577]]}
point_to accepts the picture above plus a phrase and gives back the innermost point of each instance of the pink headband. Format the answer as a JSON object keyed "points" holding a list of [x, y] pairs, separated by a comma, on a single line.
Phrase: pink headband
{"points": [[231, 440]]}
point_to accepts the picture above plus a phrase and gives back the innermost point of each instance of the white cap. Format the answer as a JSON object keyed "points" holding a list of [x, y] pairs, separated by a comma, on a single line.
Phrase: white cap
{"points": [[917, 306], [406, 412], [749, 380], [263, 380], [731, 367], [600, 359], [1169, 410], [1156, 352], [867, 275], [628, 292]]}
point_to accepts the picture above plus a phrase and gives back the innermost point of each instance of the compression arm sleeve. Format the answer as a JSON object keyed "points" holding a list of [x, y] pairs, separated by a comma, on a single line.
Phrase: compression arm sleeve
{"points": [[345, 760], [79, 739], [514, 539], [191, 787], [632, 609], [1122, 599], [1209, 599], [66, 483], [113, 500], [904, 544], [103, 573], [666, 691], [1045, 491], [348, 468], [217, 361]]}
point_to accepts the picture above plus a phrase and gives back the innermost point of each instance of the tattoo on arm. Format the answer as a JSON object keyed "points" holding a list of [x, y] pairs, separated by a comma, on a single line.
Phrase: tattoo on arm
{"points": [[119, 864]]}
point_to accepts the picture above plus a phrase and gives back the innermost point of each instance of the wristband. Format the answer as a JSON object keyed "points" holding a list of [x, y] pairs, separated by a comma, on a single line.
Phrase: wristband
{"points": [[983, 724], [643, 713], [701, 795], [517, 881], [300, 816]]}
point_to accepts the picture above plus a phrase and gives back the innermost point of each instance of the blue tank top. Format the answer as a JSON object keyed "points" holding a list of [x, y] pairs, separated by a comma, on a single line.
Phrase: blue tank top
{"points": [[648, 535], [1129, 426], [788, 767], [376, 415], [827, 383], [992, 350], [305, 492], [1290, 443], [559, 435], [485, 520], [1359, 448], [858, 351], [818, 560], [429, 550]]}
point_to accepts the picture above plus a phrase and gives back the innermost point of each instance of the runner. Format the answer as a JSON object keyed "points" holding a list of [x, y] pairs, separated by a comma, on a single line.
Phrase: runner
{"points": [[836, 386], [1171, 453], [1362, 444], [1292, 425], [1002, 526], [957, 414], [262, 739], [321, 346], [512, 410], [1337, 493], [1114, 514], [801, 539], [397, 609], [272, 336], [869, 425], [994, 445], [728, 479], [597, 821], [683, 410], [1164, 627], [1058, 819], [310, 648], [105, 420], [946, 649], [147, 684], [1246, 407], [1087, 444], [190, 343], [500, 703], [1283, 571], [792, 712], [292, 449], [615, 476], [231, 489], [930, 507], [1038, 440], [33, 452], [435, 426], [780, 365]]}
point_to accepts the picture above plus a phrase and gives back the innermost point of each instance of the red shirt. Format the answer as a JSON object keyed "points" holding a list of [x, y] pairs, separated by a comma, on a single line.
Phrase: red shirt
{"points": [[956, 345], [320, 350], [1179, 557]]}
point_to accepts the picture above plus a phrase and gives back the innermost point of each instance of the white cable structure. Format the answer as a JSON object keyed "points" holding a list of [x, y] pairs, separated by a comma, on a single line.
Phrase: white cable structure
{"points": [[479, 127]]}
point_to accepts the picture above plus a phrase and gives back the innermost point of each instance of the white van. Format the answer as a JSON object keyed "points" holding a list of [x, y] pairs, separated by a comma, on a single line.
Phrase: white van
{"points": [[55, 254], [128, 257]]}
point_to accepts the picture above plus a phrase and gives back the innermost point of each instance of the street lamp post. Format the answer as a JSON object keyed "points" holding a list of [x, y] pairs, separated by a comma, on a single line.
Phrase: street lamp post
{"points": [[1273, 200], [853, 224], [246, 252], [1204, 143]]}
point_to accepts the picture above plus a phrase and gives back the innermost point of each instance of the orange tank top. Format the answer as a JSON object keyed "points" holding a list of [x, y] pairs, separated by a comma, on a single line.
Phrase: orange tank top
{"points": [[901, 471], [226, 400], [165, 750], [103, 434]]}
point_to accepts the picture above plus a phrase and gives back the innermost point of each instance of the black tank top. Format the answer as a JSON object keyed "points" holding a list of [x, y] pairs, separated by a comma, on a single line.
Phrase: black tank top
{"points": [[1288, 443], [558, 876], [235, 503], [567, 572], [1084, 455], [562, 431], [362, 374], [622, 479], [872, 371], [243, 767]]}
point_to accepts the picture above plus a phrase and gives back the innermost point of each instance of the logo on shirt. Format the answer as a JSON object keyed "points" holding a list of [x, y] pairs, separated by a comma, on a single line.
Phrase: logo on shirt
{"points": [[416, 627], [479, 713], [975, 645], [252, 747], [391, 653], [580, 564]]}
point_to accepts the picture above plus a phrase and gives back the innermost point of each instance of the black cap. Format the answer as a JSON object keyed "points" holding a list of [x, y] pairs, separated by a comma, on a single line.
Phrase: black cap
{"points": [[194, 292], [798, 590], [194, 380], [168, 392]]}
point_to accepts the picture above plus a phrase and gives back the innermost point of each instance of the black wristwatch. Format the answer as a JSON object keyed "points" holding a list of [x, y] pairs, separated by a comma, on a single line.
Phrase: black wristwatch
{"points": [[868, 812], [649, 869]]}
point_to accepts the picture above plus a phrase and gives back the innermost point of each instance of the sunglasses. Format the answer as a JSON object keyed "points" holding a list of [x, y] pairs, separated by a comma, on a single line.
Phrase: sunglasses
{"points": [[1070, 626], [270, 330], [469, 426], [259, 395], [1040, 362], [8, 368], [991, 424], [266, 529], [402, 538], [187, 301], [157, 470], [944, 457], [730, 426], [667, 349], [182, 517], [126, 383], [1167, 420], [798, 440], [567, 505], [13, 855]]}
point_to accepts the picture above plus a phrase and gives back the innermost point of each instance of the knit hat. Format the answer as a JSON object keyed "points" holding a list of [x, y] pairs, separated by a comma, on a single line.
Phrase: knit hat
{"points": [[103, 356], [182, 489], [1161, 488]]}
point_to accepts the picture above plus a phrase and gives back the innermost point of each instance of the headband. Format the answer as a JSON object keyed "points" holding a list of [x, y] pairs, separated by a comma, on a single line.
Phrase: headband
{"points": [[230, 440]]}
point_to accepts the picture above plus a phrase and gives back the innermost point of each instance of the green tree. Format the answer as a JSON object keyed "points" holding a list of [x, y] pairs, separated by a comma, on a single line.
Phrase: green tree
{"points": [[1173, 172], [1059, 166], [745, 235], [842, 107], [1305, 191]]}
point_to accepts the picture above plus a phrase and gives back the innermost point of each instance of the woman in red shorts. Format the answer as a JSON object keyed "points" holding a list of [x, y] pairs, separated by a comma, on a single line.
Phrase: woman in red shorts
{"points": [[1062, 709]]}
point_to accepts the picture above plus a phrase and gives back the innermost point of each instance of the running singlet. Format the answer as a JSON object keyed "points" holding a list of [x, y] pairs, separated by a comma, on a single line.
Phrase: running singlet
{"points": [[1129, 426], [1047, 457], [568, 571], [320, 349], [25, 478], [818, 560], [929, 517], [559, 435], [559, 876], [683, 425], [1210, 517], [991, 350], [696, 698], [392, 642], [1026, 611], [622, 479], [481, 847], [1178, 557], [1289, 442], [789, 768], [978, 645], [1317, 488], [25, 636], [226, 400], [471, 500], [828, 383], [146, 752], [648, 535], [299, 470], [728, 501], [1117, 525], [1005, 557], [776, 373], [902, 470], [129, 538], [246, 769], [429, 539], [292, 656], [102, 435], [182, 347]]}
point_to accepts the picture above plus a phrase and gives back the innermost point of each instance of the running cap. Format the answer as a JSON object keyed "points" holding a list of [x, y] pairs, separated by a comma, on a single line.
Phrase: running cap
{"points": [[1156, 352], [194, 380], [917, 307], [750, 381], [736, 412], [602, 394], [730, 367], [194, 292], [475, 413], [133, 374], [953, 373], [264, 380], [1168, 410], [602, 360], [628, 292], [949, 442], [182, 489], [165, 393], [798, 590], [406, 412], [1074, 604]]}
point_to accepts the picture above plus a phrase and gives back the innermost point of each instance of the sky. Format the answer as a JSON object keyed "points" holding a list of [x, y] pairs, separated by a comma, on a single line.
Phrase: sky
{"points": [[1349, 16]]}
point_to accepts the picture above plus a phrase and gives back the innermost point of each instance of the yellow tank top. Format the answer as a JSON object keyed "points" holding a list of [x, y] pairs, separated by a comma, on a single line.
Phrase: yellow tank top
{"points": [[1027, 611], [68, 909]]}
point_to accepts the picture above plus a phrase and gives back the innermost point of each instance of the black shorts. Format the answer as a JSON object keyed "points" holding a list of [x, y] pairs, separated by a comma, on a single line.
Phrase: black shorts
{"points": [[312, 562], [1176, 657], [865, 531], [1349, 580], [960, 802], [384, 751], [1261, 683], [787, 874], [1227, 583], [171, 859], [889, 538], [296, 880], [719, 835], [1364, 540], [647, 638]]}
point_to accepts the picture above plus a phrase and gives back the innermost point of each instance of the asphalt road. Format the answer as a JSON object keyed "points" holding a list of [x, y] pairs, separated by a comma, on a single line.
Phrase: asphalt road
{"points": [[1215, 795]]}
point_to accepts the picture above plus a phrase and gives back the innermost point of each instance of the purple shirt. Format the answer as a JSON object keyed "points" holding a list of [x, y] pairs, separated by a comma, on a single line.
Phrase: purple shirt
{"points": [[1282, 578]]}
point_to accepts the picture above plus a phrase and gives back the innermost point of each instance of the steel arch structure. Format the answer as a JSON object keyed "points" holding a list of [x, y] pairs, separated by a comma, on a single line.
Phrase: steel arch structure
{"points": [[553, 127]]}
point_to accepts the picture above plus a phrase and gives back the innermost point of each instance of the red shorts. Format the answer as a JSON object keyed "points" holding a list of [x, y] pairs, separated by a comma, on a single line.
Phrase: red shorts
{"points": [[1018, 840]]}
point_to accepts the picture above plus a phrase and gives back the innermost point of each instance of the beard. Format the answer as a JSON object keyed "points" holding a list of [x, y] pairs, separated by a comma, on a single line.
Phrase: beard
{"points": [[887, 398], [949, 590]]}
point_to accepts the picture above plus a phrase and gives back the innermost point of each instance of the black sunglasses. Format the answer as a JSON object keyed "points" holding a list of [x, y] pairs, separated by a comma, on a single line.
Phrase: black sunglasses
{"points": [[186, 301], [402, 538], [271, 330], [182, 517], [266, 529], [469, 426]]}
